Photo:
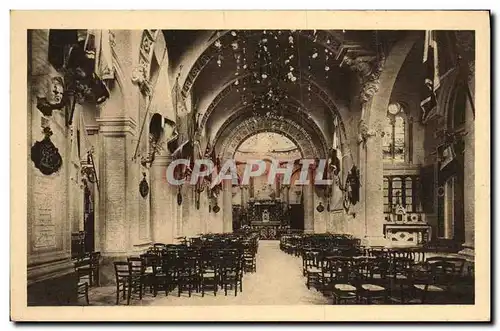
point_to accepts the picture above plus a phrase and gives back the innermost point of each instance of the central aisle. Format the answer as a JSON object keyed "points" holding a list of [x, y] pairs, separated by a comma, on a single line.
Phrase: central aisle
{"points": [[278, 281]]}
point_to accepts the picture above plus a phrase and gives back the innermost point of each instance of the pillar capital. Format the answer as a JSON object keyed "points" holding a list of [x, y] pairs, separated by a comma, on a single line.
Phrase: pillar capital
{"points": [[162, 160], [116, 125], [368, 69]]}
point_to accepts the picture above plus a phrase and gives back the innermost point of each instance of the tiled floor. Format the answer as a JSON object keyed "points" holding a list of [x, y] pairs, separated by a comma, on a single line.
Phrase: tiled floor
{"points": [[278, 281]]}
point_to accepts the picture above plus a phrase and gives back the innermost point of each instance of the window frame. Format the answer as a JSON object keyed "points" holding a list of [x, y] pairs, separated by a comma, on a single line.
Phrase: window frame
{"points": [[408, 133], [390, 197]]}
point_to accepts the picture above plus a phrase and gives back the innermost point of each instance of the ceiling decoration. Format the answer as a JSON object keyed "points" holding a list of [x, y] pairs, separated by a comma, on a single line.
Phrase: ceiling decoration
{"points": [[275, 72], [333, 43], [276, 58]]}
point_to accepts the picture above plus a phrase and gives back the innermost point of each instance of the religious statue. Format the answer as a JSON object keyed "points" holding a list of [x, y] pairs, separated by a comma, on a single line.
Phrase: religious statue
{"points": [[265, 216]]}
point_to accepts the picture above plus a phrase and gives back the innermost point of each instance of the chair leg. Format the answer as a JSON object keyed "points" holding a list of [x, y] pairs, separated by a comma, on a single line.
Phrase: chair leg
{"points": [[117, 292], [129, 294], [140, 288], [87, 294]]}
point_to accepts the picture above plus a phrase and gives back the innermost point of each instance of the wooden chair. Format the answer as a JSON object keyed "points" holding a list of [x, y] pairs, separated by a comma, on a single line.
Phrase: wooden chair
{"points": [[209, 270], [371, 276], [434, 285], [95, 261], [153, 273], [311, 268], [231, 271], [340, 281], [137, 275], [187, 274], [123, 280], [83, 275]]}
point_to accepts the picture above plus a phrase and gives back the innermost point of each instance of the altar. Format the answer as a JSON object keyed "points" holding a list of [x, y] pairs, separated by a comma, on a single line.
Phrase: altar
{"points": [[268, 217], [407, 228]]}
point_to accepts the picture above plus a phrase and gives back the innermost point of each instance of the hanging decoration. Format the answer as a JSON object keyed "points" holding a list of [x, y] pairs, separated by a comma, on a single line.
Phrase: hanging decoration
{"points": [[179, 196], [144, 186], [216, 208], [351, 194], [320, 208], [45, 155], [51, 95], [84, 59]]}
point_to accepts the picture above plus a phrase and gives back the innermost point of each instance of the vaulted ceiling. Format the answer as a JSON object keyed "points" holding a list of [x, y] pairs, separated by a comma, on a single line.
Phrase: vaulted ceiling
{"points": [[298, 74]]}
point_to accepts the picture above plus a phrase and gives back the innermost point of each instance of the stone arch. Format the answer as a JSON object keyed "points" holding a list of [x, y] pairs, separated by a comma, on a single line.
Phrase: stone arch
{"points": [[316, 89], [302, 118], [288, 128], [392, 65]]}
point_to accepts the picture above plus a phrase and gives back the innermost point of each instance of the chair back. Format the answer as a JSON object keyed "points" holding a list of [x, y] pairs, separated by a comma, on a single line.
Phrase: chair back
{"points": [[136, 266], [122, 269]]}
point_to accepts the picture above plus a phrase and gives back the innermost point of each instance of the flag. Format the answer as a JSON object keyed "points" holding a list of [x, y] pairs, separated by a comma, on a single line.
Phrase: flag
{"points": [[184, 119], [75, 146], [432, 80], [447, 156], [336, 156], [80, 145], [103, 58]]}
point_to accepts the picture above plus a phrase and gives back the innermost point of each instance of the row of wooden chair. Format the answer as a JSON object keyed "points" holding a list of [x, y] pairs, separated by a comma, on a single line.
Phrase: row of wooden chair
{"points": [[368, 279], [188, 269]]}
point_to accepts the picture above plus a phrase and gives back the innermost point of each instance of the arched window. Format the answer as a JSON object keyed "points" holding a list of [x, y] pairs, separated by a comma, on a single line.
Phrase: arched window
{"points": [[394, 139]]}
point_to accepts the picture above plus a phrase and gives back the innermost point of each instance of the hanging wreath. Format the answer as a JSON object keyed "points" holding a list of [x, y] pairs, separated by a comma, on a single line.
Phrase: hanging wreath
{"points": [[45, 155]]}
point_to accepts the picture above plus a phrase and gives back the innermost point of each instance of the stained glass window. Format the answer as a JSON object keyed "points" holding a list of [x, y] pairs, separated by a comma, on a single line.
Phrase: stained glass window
{"points": [[394, 140]]}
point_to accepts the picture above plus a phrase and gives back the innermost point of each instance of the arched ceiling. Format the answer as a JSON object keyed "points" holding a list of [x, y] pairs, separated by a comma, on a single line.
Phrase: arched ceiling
{"points": [[223, 73]]}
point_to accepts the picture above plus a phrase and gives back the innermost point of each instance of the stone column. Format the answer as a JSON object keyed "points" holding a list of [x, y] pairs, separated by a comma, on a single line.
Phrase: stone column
{"points": [[244, 196], [227, 208], [163, 201], [469, 175], [116, 135], [371, 186], [308, 192]]}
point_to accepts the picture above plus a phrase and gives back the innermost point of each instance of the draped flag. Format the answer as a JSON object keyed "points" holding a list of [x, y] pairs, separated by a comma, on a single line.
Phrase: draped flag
{"points": [[161, 104], [80, 146], [103, 56], [336, 168], [183, 116], [432, 80], [76, 141], [447, 156]]}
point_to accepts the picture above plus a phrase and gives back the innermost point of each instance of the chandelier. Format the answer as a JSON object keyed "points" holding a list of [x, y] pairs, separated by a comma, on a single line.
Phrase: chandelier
{"points": [[265, 62]]}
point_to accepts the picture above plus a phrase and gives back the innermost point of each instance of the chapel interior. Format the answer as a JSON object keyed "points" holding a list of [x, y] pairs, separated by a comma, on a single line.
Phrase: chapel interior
{"points": [[110, 110]]}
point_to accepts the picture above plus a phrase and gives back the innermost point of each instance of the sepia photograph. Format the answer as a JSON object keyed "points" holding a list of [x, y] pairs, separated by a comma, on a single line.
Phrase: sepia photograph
{"points": [[189, 162]]}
